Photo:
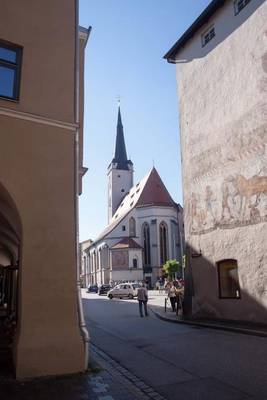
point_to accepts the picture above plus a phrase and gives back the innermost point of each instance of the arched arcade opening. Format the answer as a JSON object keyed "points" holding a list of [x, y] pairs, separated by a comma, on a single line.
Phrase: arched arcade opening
{"points": [[10, 243]]}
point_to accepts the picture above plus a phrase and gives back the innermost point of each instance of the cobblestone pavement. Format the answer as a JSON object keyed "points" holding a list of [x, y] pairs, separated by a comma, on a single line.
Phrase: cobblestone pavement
{"points": [[116, 382]]}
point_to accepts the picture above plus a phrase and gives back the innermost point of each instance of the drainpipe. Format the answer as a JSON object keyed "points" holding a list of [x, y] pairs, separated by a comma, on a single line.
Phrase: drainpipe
{"points": [[181, 240], [83, 329]]}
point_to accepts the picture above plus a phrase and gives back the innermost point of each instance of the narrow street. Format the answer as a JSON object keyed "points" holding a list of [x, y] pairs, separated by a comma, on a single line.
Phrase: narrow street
{"points": [[178, 361]]}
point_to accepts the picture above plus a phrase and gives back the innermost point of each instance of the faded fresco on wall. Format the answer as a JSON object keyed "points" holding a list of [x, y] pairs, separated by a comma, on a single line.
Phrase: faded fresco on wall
{"points": [[240, 201], [120, 259], [228, 181]]}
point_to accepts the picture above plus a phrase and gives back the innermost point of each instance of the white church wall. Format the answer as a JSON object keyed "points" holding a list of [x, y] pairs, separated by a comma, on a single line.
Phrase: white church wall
{"points": [[135, 254], [160, 214], [127, 275]]}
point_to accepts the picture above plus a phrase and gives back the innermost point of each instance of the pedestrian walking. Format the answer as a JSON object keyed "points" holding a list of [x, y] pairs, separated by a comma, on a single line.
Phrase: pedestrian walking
{"points": [[142, 298], [172, 295]]}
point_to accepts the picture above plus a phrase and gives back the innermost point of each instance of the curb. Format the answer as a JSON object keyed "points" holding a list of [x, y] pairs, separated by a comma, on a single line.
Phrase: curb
{"points": [[134, 384], [211, 326]]}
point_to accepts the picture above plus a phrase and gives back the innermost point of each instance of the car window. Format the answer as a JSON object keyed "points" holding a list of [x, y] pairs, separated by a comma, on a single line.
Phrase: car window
{"points": [[117, 287]]}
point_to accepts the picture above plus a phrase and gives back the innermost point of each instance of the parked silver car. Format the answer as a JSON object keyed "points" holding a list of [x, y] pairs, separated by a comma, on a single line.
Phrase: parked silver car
{"points": [[124, 290]]}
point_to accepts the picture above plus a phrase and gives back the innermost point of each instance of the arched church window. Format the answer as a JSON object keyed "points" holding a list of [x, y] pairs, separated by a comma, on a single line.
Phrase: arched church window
{"points": [[146, 244], [163, 239], [135, 262], [132, 227]]}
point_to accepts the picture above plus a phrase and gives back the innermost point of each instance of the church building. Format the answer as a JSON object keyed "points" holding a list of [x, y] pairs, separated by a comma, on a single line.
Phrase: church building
{"points": [[145, 225]]}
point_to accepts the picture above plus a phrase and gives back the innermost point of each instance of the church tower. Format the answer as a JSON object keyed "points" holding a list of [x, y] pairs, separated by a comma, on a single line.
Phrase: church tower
{"points": [[120, 172]]}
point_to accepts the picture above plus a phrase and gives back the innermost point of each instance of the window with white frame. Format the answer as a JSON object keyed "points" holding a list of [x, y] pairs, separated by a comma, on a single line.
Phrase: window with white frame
{"points": [[239, 5], [208, 35]]}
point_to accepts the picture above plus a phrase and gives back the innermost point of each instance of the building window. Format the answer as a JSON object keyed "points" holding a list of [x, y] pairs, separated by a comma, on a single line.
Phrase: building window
{"points": [[163, 240], [122, 190], [135, 263], [239, 5], [228, 279], [123, 227], [132, 227], [10, 66], [146, 244], [208, 36], [119, 176]]}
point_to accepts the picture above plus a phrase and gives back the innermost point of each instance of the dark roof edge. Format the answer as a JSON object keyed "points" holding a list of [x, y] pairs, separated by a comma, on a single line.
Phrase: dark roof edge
{"points": [[197, 24]]}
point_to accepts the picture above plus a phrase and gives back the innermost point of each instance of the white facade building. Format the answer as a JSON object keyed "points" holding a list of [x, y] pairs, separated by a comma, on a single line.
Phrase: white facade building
{"points": [[145, 225]]}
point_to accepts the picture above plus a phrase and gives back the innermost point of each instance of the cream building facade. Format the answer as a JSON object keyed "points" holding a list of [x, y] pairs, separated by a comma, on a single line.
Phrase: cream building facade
{"points": [[221, 64], [41, 124], [145, 226]]}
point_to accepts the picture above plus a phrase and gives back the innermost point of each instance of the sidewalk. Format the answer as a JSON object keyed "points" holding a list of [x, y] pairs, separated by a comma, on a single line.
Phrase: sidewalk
{"points": [[156, 305], [105, 380]]}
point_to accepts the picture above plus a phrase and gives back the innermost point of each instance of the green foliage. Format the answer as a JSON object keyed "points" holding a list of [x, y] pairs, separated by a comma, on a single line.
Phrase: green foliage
{"points": [[171, 267]]}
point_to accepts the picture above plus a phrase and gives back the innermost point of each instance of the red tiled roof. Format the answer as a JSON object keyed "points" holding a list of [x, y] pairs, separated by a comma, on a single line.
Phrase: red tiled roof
{"points": [[126, 243], [154, 192]]}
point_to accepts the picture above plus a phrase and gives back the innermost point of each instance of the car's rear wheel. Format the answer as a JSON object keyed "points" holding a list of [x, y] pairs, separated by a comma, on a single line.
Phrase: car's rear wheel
{"points": [[110, 296], [130, 296]]}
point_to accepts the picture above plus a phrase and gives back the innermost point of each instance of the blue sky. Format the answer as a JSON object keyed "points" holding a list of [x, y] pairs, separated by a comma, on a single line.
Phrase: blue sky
{"points": [[124, 57]]}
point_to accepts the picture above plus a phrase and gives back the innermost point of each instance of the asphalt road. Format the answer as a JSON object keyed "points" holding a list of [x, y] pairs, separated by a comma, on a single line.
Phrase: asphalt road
{"points": [[179, 361]]}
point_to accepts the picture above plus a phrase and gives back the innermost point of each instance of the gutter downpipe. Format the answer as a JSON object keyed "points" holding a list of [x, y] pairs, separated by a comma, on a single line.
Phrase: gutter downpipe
{"points": [[82, 325]]}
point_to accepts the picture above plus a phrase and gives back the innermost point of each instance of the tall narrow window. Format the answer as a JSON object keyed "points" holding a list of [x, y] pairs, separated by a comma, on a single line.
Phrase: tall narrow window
{"points": [[135, 262], [10, 65], [228, 279], [146, 244], [163, 238], [132, 227]]}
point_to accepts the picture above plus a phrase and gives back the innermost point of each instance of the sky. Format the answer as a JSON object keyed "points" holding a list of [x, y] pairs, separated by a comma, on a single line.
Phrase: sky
{"points": [[124, 57]]}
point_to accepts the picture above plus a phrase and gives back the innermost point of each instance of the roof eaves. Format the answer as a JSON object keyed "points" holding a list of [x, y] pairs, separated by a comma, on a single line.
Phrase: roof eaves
{"points": [[84, 33], [197, 24]]}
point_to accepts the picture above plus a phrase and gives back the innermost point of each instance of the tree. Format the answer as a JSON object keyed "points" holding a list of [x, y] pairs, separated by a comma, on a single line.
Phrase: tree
{"points": [[171, 267]]}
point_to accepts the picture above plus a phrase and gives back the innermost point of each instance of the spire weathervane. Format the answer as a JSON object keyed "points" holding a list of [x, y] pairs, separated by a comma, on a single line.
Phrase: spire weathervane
{"points": [[119, 100]]}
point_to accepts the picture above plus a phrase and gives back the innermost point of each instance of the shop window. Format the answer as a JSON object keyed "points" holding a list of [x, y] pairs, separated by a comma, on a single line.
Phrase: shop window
{"points": [[228, 279]]}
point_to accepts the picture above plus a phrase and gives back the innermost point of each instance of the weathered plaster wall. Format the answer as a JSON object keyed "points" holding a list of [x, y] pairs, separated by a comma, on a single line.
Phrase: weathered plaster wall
{"points": [[223, 110]]}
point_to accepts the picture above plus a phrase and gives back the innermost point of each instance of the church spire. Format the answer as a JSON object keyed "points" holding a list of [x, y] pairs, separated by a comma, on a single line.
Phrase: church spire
{"points": [[120, 157]]}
